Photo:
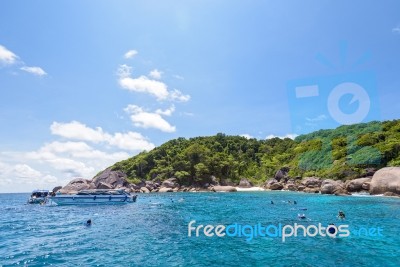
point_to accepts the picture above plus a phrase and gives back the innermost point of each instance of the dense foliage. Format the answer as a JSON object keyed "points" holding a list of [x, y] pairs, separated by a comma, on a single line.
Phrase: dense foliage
{"points": [[344, 152]]}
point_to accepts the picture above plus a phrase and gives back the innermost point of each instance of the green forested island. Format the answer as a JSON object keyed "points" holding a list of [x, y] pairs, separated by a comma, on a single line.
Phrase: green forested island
{"points": [[342, 153]]}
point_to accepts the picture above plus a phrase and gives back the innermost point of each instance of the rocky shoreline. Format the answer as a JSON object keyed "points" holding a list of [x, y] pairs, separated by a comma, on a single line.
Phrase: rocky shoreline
{"points": [[385, 181]]}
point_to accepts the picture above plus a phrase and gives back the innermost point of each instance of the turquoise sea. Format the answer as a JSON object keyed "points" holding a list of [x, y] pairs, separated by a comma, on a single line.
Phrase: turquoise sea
{"points": [[154, 231]]}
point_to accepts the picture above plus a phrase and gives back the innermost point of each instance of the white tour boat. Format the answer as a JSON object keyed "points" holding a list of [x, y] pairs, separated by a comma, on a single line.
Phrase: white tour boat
{"points": [[95, 196]]}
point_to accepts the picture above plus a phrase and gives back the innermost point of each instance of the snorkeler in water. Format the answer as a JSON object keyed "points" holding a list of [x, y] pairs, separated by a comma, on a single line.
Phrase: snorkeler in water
{"points": [[301, 216], [341, 215], [89, 222]]}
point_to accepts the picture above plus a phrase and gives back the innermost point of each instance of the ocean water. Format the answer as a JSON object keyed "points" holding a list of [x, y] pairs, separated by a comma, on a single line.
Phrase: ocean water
{"points": [[154, 231]]}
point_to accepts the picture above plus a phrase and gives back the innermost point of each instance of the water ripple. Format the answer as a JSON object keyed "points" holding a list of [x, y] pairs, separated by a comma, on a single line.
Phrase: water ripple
{"points": [[153, 231]]}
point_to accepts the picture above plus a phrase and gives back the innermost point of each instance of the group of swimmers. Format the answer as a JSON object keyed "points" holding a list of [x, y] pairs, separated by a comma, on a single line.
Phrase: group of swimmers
{"points": [[341, 215], [294, 202]]}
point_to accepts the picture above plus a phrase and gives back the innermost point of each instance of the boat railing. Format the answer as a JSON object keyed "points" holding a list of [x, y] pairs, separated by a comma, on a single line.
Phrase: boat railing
{"points": [[103, 192]]}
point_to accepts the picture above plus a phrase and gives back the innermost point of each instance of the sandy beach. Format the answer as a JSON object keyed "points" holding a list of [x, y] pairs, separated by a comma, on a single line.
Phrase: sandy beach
{"points": [[255, 188]]}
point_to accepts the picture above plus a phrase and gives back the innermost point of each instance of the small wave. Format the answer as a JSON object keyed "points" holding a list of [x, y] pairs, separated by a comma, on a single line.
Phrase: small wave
{"points": [[367, 195]]}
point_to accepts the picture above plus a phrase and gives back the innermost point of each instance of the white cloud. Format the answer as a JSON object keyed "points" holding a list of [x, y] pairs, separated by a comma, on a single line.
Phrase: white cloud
{"points": [[144, 119], [247, 136], [143, 84], [167, 112], [6, 56], [75, 150], [124, 71], [318, 118], [67, 159], [21, 175], [396, 29], [74, 158], [178, 96], [71, 167], [34, 70], [155, 74], [66, 147], [131, 141], [291, 136], [97, 154], [78, 131], [25, 171], [130, 54]]}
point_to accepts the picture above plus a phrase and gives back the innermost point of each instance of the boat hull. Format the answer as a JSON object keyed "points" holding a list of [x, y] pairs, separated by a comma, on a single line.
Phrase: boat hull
{"points": [[92, 200], [38, 196], [36, 200]]}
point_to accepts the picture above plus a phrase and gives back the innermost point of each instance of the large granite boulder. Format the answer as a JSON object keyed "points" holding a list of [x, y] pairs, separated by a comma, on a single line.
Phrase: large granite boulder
{"points": [[170, 183], [127, 189], [150, 185], [391, 194], [273, 184], [358, 184], [214, 180], [385, 180], [55, 189], [276, 186], [281, 174], [144, 190], [366, 185], [311, 190], [291, 185], [165, 190], [301, 188], [114, 179], [245, 183], [135, 187], [76, 185], [102, 185], [227, 182], [221, 188], [341, 192], [329, 186], [311, 182], [269, 182]]}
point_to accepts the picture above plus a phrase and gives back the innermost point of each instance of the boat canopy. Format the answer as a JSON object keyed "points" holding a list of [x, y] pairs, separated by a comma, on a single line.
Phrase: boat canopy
{"points": [[102, 192], [40, 193]]}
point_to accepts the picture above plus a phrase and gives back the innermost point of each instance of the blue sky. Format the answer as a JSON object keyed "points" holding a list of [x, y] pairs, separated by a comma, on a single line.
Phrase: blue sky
{"points": [[87, 83]]}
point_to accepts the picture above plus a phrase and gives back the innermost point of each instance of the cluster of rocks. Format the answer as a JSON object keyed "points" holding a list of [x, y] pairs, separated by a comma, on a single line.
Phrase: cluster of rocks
{"points": [[385, 181], [318, 185], [109, 179], [173, 185]]}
